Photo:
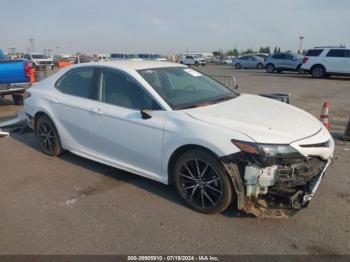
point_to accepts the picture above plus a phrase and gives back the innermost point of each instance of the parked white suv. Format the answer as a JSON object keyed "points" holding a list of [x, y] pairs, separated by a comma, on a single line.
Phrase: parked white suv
{"points": [[192, 60], [323, 62]]}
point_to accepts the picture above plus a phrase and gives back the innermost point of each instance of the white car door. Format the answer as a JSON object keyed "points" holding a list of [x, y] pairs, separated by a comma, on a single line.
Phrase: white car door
{"points": [[119, 131], [337, 61], [71, 107]]}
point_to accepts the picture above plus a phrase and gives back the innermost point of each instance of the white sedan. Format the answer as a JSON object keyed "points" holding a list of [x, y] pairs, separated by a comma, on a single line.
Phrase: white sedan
{"points": [[170, 123]]}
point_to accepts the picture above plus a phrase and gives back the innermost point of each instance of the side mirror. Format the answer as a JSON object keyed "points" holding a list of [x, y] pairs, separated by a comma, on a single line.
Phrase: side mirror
{"points": [[145, 114]]}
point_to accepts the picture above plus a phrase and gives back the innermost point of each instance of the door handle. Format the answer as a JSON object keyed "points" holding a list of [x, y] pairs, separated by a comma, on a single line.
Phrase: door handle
{"points": [[54, 100], [97, 111]]}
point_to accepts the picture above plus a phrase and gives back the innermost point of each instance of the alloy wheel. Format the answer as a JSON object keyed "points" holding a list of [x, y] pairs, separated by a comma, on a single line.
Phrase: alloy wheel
{"points": [[46, 136], [200, 184]]}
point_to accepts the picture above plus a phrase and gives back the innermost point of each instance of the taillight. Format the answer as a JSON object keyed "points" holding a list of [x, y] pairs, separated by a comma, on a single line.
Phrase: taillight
{"points": [[305, 58], [26, 70], [26, 94]]}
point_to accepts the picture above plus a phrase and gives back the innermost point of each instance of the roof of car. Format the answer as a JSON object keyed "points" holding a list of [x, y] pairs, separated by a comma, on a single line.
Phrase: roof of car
{"points": [[138, 65]]}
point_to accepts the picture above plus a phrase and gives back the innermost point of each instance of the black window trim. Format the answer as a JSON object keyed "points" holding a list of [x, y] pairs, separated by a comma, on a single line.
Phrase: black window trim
{"points": [[133, 78], [96, 84], [337, 49], [94, 79]]}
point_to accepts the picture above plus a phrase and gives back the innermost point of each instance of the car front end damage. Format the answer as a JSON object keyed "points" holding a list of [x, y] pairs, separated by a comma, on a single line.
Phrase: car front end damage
{"points": [[278, 180]]}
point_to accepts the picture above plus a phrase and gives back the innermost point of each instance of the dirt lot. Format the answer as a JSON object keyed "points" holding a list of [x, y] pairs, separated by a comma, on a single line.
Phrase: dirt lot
{"points": [[70, 205]]}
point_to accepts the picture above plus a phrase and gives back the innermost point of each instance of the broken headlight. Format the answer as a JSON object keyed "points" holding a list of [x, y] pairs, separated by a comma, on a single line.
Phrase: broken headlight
{"points": [[267, 150]]}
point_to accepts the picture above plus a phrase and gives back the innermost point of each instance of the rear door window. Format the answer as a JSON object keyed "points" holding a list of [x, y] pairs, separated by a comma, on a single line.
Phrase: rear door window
{"points": [[314, 52], [279, 56], [79, 82], [336, 53]]}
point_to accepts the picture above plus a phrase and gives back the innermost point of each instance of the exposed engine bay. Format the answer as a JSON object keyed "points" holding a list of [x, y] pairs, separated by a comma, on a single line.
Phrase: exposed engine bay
{"points": [[275, 187]]}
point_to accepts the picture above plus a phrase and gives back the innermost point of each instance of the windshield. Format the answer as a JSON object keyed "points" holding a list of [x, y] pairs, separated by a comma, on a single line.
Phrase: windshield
{"points": [[39, 57], [183, 87]]}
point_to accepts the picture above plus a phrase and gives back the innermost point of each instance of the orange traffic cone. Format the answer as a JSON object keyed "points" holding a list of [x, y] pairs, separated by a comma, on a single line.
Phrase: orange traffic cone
{"points": [[32, 75], [324, 115], [347, 132]]}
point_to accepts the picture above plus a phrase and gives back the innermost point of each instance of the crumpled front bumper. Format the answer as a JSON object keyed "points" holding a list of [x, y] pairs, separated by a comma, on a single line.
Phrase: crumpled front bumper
{"points": [[292, 182]]}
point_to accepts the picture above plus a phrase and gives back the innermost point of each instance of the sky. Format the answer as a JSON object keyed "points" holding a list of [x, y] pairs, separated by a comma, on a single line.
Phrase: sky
{"points": [[171, 26]]}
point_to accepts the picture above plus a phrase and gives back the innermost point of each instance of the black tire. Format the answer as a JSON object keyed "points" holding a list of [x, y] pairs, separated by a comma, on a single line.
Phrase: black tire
{"points": [[318, 71], [17, 99], [260, 66], [202, 182], [238, 66], [196, 63], [47, 136], [181, 62], [270, 68]]}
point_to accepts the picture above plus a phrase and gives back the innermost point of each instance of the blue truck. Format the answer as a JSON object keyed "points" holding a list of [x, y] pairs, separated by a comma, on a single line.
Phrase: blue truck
{"points": [[14, 77]]}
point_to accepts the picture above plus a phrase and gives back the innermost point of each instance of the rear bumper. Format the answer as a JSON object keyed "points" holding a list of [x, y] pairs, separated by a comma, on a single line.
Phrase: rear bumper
{"points": [[13, 88]]}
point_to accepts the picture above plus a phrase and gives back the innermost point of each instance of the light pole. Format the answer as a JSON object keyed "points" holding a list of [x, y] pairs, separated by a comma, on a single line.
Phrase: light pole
{"points": [[300, 43]]}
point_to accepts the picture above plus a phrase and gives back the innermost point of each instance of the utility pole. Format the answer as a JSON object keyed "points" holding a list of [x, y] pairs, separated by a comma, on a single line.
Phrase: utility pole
{"points": [[300, 44], [32, 45]]}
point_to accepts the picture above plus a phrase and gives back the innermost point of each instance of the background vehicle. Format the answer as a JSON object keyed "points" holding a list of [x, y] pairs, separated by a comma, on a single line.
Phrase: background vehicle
{"points": [[156, 57], [248, 61], [39, 60], [117, 113], [192, 60], [14, 77], [322, 62], [103, 57], [124, 56], [283, 62], [84, 58]]}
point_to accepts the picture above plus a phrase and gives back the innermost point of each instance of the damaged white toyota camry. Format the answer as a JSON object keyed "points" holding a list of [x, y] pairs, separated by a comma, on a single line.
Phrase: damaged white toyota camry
{"points": [[170, 123]]}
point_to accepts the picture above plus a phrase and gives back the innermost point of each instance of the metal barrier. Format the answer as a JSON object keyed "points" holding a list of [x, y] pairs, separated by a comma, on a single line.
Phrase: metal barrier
{"points": [[285, 98], [228, 81]]}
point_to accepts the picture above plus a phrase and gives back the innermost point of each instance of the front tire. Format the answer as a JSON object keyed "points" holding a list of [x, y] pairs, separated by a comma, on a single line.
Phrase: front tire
{"points": [[202, 182], [47, 136], [196, 64], [260, 66], [238, 66]]}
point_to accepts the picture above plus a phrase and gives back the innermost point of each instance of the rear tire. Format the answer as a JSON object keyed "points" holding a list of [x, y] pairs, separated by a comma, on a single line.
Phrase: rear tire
{"points": [[318, 72], [270, 68], [17, 99], [47, 136], [202, 182], [196, 64], [238, 66]]}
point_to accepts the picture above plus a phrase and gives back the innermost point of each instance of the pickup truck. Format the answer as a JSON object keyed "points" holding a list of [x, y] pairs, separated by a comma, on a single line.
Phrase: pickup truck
{"points": [[14, 77]]}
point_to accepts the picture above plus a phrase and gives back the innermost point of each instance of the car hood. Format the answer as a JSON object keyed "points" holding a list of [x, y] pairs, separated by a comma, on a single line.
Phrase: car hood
{"points": [[262, 119]]}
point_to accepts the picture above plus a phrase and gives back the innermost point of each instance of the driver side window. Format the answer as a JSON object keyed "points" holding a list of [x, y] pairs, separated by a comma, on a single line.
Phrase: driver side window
{"points": [[119, 89]]}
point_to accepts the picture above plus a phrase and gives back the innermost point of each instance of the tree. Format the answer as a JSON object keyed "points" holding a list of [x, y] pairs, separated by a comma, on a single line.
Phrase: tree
{"points": [[279, 50], [233, 52], [275, 50], [216, 53]]}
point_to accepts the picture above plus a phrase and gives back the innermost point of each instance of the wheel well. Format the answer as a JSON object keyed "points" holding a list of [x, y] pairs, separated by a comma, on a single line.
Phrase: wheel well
{"points": [[319, 66], [181, 150], [37, 115]]}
